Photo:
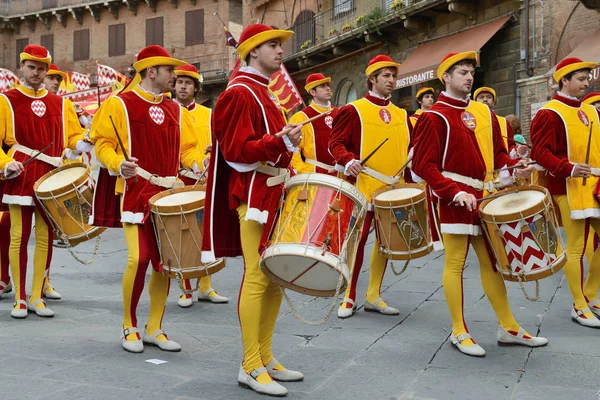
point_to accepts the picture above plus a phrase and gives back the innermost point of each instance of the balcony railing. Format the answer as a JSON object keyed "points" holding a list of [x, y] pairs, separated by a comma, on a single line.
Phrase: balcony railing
{"points": [[213, 68], [18, 7], [345, 16]]}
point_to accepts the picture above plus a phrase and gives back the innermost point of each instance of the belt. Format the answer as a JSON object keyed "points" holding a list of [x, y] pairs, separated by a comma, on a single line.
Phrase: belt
{"points": [[279, 175], [168, 182], [388, 180], [329, 168], [54, 161], [471, 182], [189, 174]]}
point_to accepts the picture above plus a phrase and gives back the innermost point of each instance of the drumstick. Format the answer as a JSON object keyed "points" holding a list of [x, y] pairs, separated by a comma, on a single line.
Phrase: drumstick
{"points": [[404, 166], [121, 143], [518, 141], [511, 167], [587, 154], [364, 160], [33, 157], [308, 121]]}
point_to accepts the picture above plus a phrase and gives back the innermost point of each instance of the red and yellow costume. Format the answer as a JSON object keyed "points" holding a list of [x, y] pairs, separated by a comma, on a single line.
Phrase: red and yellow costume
{"points": [[240, 208], [462, 137], [55, 122], [201, 116], [358, 129], [152, 129], [315, 135], [559, 134], [420, 93], [505, 129]]}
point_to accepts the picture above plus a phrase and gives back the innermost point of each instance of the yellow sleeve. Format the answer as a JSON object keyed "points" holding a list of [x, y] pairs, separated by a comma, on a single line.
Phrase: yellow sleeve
{"points": [[189, 151], [204, 133], [108, 151], [297, 163], [413, 121], [7, 135], [74, 132]]}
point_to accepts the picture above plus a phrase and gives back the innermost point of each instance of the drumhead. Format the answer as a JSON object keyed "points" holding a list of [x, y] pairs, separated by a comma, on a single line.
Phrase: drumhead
{"points": [[181, 198], [514, 202], [399, 194], [61, 179]]}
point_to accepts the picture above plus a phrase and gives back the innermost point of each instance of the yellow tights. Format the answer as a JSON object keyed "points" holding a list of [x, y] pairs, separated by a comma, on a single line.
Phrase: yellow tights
{"points": [[259, 301], [576, 242], [457, 247], [141, 250]]}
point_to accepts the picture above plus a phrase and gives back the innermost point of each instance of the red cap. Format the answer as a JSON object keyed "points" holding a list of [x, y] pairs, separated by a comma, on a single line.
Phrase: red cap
{"points": [[315, 80], [256, 34], [380, 61]]}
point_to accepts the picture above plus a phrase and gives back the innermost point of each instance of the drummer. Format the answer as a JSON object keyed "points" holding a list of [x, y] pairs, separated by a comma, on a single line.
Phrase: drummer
{"points": [[26, 105], [593, 99], [314, 153], [358, 129], [487, 96], [163, 129], [561, 136], [449, 168], [241, 206], [5, 285], [187, 86], [425, 97]]}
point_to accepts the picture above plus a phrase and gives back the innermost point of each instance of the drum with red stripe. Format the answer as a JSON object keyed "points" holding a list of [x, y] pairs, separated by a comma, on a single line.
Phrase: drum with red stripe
{"points": [[315, 238]]}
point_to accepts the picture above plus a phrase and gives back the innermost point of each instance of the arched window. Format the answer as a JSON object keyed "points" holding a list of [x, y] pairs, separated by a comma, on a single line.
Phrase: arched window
{"points": [[346, 93], [304, 29]]}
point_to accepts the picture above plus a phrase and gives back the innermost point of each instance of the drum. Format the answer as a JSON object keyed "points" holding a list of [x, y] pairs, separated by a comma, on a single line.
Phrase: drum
{"points": [[178, 216], [522, 230], [402, 221], [66, 195], [316, 236]]}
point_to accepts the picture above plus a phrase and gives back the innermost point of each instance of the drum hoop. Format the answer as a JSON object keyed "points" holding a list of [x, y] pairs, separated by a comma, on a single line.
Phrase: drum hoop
{"points": [[543, 205], [176, 209], [67, 188]]}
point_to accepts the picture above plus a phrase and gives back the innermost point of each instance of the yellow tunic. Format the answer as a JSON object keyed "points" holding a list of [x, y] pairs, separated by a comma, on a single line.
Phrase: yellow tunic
{"points": [[503, 129], [110, 154], [201, 116]]}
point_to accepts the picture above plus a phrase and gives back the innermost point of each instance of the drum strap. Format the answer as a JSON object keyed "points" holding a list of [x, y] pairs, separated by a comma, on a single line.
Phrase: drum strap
{"points": [[279, 175], [471, 182], [167, 182], [329, 168], [54, 161], [388, 180], [189, 174]]}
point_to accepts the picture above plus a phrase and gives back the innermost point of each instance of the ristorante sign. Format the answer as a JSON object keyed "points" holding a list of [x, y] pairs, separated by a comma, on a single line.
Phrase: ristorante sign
{"points": [[416, 77]]}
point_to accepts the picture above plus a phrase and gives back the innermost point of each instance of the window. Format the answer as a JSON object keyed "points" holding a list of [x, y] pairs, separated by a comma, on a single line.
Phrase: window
{"points": [[154, 31], [194, 27], [81, 45], [346, 93], [304, 29], [49, 4], [341, 7], [48, 42], [116, 40], [21, 43]]}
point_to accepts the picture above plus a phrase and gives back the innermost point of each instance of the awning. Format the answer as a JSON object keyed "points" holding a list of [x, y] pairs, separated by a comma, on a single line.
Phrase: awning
{"points": [[421, 65], [588, 50]]}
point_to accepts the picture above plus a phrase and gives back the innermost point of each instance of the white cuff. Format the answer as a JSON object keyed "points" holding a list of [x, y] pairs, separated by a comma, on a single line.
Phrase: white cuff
{"points": [[348, 166], [289, 145], [84, 146], [72, 155], [416, 178], [83, 121], [195, 168], [458, 195], [505, 177], [573, 170], [6, 170]]}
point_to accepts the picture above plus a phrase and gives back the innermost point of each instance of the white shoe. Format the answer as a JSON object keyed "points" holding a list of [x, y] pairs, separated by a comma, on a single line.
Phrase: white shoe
{"points": [[385, 310], [249, 381], [166, 345], [346, 312], [592, 303], [40, 311], [213, 299], [184, 301], [505, 338], [474, 350], [578, 316], [132, 346], [5, 288], [19, 313], [286, 375], [51, 294]]}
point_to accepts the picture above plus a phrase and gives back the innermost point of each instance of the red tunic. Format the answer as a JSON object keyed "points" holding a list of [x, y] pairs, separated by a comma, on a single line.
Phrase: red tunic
{"points": [[549, 146], [244, 122], [445, 143], [37, 123]]}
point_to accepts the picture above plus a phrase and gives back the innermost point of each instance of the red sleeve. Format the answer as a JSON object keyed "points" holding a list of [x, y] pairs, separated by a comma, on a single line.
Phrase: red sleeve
{"points": [[407, 174], [430, 134], [501, 157], [343, 144], [234, 121], [547, 130], [511, 137]]}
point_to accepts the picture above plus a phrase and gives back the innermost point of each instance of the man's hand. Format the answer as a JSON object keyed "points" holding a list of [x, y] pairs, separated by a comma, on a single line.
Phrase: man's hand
{"points": [[294, 133], [581, 170], [521, 173], [522, 150], [14, 169], [208, 149], [468, 200], [355, 169], [129, 168]]}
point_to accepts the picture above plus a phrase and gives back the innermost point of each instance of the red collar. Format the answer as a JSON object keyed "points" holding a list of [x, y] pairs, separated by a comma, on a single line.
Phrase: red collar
{"points": [[377, 101], [255, 77], [452, 101], [567, 101]]}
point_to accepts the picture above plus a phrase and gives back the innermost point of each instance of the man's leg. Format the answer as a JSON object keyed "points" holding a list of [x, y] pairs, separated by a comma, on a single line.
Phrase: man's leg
{"points": [[5, 286], [20, 231]]}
